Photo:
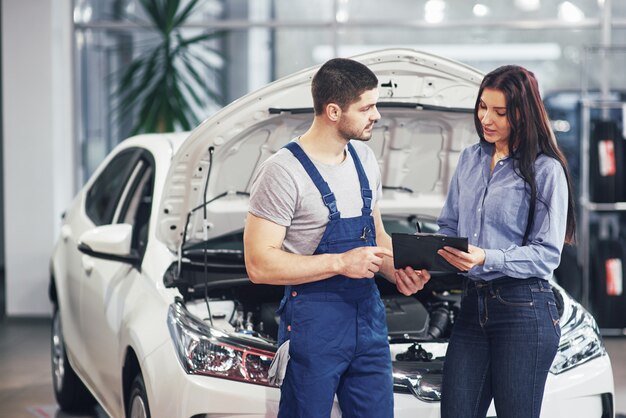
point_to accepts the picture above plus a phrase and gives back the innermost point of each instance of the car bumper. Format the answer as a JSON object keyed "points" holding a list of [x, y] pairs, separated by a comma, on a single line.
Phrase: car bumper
{"points": [[577, 392], [183, 395]]}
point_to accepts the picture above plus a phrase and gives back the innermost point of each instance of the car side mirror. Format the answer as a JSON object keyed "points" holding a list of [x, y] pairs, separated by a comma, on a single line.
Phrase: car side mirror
{"points": [[109, 242]]}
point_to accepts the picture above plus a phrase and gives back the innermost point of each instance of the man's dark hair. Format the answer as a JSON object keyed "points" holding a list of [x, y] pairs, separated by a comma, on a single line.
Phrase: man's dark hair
{"points": [[341, 81]]}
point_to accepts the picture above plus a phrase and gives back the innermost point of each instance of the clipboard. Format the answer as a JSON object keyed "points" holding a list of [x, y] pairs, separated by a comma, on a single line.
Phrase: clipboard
{"points": [[420, 251]]}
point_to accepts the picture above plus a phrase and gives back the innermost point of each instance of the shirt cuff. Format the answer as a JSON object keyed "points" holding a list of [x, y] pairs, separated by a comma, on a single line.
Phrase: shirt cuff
{"points": [[494, 260]]}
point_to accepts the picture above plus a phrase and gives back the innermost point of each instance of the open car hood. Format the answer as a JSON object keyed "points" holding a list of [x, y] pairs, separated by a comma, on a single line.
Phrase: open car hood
{"points": [[426, 103]]}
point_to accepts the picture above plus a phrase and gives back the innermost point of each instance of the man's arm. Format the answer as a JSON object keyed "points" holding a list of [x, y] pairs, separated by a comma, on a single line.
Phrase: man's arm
{"points": [[268, 263], [407, 280]]}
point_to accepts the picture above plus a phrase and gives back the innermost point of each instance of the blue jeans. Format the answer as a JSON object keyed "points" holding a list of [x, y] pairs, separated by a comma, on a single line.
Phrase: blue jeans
{"points": [[502, 346]]}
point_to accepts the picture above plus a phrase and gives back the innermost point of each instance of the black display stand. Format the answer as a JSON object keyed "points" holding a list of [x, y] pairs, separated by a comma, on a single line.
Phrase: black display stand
{"points": [[602, 203], [602, 200]]}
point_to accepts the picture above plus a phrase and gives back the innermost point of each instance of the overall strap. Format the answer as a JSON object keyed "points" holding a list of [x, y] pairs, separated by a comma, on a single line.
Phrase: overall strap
{"points": [[327, 196], [366, 192]]}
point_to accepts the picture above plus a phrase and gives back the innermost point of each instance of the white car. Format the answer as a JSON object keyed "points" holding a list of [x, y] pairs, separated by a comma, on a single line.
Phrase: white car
{"points": [[154, 314]]}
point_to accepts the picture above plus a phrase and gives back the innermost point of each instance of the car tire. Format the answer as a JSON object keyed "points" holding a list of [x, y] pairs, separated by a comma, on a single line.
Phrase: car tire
{"points": [[69, 391], [138, 406]]}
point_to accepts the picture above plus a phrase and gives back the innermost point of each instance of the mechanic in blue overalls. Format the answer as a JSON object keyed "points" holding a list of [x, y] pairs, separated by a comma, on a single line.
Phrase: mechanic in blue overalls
{"points": [[315, 227]]}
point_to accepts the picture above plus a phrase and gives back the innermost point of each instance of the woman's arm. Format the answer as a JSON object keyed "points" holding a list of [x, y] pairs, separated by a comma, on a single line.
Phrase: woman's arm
{"points": [[542, 254]]}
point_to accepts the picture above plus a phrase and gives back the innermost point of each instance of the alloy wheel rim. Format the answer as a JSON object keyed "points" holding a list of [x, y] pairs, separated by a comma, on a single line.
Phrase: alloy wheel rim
{"points": [[58, 362], [138, 408]]}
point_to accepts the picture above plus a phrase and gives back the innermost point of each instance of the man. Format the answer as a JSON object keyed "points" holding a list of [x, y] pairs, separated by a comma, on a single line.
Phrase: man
{"points": [[315, 227]]}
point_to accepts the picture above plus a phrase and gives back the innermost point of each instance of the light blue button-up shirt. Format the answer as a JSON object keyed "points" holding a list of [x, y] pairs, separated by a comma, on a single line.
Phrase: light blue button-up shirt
{"points": [[491, 209]]}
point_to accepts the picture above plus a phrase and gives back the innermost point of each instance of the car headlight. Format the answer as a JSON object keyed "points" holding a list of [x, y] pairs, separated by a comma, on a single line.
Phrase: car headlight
{"points": [[204, 350], [580, 338]]}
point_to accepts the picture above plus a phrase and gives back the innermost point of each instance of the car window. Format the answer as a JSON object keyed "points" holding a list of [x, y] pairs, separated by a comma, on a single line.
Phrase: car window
{"points": [[136, 202], [407, 224], [105, 192]]}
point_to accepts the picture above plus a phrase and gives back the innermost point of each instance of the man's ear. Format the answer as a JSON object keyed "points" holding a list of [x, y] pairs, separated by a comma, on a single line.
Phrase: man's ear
{"points": [[333, 112]]}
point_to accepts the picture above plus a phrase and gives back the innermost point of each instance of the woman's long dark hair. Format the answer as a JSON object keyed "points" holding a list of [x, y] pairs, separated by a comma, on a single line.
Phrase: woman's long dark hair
{"points": [[530, 133]]}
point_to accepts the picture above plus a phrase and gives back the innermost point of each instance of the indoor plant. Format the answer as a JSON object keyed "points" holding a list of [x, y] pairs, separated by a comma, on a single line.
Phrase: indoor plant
{"points": [[169, 85]]}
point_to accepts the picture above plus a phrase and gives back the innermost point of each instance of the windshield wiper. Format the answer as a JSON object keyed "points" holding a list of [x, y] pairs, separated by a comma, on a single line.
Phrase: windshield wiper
{"points": [[379, 104], [216, 255], [399, 188]]}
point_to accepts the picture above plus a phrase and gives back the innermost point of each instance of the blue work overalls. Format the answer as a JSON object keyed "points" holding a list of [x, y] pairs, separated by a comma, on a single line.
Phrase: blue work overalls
{"points": [[336, 327]]}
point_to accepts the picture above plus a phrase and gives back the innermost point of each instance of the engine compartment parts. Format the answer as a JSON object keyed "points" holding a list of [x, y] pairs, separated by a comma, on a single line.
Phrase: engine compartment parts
{"points": [[415, 352], [406, 316]]}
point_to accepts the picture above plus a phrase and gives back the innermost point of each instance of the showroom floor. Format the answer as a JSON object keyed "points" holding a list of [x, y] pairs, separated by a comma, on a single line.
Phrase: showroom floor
{"points": [[26, 382]]}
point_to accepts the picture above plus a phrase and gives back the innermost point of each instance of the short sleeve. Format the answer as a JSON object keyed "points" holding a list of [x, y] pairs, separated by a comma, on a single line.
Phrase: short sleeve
{"points": [[273, 195]]}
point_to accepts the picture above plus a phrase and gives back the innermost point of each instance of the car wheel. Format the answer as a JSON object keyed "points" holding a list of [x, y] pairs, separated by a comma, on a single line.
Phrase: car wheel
{"points": [[70, 392], [138, 401]]}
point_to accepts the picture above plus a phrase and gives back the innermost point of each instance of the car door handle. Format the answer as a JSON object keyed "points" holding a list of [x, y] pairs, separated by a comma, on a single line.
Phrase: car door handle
{"points": [[66, 232], [87, 264]]}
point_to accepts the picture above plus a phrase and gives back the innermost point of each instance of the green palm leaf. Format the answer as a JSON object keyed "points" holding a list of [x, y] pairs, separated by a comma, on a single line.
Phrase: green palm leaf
{"points": [[164, 86]]}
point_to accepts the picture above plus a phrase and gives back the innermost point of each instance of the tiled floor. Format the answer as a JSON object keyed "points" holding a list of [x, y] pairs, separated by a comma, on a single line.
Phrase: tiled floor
{"points": [[26, 382], [25, 376]]}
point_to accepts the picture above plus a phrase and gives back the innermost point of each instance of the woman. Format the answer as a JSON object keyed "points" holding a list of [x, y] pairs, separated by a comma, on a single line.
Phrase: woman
{"points": [[511, 195]]}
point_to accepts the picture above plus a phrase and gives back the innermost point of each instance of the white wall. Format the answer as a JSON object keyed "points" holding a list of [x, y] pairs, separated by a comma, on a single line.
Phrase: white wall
{"points": [[38, 145]]}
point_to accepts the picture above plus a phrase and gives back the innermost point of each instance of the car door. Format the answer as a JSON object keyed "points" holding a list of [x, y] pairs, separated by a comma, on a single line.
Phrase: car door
{"points": [[95, 207], [107, 282]]}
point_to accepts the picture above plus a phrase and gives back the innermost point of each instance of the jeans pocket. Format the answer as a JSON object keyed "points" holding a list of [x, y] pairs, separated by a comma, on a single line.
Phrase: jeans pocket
{"points": [[554, 316], [515, 296]]}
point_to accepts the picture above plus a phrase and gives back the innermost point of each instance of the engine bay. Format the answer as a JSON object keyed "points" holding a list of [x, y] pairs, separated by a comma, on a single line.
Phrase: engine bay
{"points": [[218, 293], [234, 305]]}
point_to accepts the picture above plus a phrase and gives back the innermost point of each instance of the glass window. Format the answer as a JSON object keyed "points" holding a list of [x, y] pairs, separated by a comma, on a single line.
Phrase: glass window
{"points": [[554, 55], [260, 41], [408, 224], [296, 49], [488, 11], [604, 68], [137, 205], [132, 78], [105, 192]]}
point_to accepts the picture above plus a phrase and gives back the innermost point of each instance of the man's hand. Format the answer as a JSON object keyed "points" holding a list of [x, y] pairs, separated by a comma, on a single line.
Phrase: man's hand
{"points": [[409, 281], [362, 262], [463, 260]]}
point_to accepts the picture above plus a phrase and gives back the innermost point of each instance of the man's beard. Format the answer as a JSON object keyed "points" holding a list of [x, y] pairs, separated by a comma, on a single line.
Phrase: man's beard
{"points": [[349, 132]]}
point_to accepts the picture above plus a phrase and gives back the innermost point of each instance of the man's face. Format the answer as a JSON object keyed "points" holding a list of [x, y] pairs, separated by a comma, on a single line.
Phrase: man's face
{"points": [[357, 121]]}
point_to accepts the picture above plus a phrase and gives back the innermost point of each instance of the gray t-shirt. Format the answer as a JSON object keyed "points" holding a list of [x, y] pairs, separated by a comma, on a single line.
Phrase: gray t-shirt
{"points": [[283, 193]]}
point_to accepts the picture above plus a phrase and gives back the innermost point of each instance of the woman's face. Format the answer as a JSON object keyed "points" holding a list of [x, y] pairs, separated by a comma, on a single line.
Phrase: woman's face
{"points": [[493, 117]]}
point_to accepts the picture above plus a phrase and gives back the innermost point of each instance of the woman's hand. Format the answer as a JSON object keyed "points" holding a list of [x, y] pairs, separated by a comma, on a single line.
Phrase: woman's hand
{"points": [[461, 259]]}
